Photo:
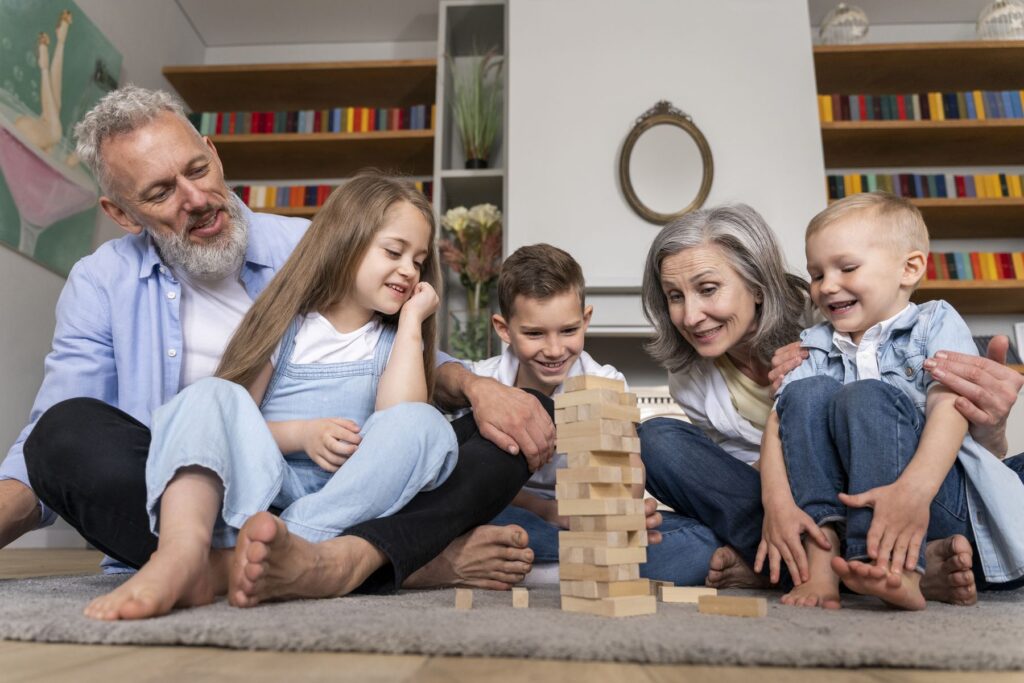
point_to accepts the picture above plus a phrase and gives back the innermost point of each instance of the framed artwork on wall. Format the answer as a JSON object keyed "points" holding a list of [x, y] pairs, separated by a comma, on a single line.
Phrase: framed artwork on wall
{"points": [[54, 66]]}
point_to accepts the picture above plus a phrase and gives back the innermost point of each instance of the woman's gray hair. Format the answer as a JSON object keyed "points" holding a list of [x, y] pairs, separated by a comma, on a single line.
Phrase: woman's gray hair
{"points": [[119, 112], [752, 250]]}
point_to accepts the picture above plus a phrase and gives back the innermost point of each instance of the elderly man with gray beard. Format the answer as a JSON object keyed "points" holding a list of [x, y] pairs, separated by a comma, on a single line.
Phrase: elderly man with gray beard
{"points": [[148, 314]]}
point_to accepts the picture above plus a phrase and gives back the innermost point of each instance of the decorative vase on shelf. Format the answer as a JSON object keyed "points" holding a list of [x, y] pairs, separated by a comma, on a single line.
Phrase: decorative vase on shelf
{"points": [[476, 163], [1001, 20], [476, 104], [844, 25]]}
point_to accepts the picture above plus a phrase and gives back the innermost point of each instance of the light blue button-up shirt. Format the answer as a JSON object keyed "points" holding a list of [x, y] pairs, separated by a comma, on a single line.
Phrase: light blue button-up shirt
{"points": [[118, 336], [995, 493]]}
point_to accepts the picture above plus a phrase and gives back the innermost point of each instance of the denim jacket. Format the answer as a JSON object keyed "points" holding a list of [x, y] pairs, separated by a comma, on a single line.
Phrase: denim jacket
{"points": [[995, 494]]}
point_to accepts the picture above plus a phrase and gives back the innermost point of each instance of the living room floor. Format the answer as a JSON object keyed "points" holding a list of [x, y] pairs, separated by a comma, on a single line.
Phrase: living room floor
{"points": [[22, 661]]}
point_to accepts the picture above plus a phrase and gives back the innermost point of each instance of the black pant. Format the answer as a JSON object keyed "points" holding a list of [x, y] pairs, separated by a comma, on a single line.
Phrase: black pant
{"points": [[86, 460]]}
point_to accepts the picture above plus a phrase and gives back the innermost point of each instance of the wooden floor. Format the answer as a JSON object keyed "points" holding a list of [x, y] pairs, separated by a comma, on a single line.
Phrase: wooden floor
{"points": [[109, 664]]}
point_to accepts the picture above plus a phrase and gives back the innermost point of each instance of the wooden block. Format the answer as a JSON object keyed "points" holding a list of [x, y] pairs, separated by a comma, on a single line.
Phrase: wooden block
{"points": [[602, 539], [520, 598], [689, 594], [601, 442], [599, 475], [627, 399], [566, 415], [581, 382], [631, 606], [463, 598], [634, 522], [607, 506], [732, 606], [602, 589], [569, 571], [656, 586], [604, 411], [592, 491], [592, 459], [596, 428], [587, 397], [602, 556]]}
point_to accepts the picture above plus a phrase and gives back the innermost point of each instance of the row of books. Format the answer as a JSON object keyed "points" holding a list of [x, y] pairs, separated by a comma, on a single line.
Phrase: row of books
{"points": [[291, 196], [975, 266], [928, 185], [337, 120], [932, 106]]}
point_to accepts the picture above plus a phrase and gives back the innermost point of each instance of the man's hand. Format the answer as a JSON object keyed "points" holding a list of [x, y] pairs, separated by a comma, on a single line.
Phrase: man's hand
{"points": [[19, 510], [784, 361], [898, 526], [987, 390], [512, 419]]}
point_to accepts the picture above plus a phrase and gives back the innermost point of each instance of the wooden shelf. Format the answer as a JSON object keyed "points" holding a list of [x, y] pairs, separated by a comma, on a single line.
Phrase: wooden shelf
{"points": [[923, 143], [963, 217], [317, 85], [299, 211], [1018, 368], [324, 155], [919, 67], [975, 297]]}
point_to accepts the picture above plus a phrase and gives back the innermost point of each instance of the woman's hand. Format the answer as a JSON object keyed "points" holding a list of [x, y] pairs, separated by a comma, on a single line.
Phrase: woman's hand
{"points": [[422, 304], [784, 361], [899, 524], [781, 541], [330, 441]]}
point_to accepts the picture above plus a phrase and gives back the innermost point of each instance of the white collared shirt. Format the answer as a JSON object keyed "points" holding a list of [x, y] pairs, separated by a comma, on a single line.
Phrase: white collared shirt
{"points": [[865, 355]]}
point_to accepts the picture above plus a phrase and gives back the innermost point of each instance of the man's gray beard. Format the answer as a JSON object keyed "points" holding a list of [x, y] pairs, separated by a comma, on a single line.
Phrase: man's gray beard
{"points": [[212, 261]]}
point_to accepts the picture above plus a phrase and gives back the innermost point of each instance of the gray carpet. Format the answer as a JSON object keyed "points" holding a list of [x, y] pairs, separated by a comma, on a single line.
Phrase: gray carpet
{"points": [[986, 636]]}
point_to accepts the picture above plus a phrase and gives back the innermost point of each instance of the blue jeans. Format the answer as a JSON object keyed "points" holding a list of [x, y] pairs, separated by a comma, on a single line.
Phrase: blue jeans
{"points": [[717, 499], [853, 438]]}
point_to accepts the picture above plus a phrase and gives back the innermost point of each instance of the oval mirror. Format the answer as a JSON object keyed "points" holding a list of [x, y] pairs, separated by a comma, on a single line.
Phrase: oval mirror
{"points": [[665, 164]]}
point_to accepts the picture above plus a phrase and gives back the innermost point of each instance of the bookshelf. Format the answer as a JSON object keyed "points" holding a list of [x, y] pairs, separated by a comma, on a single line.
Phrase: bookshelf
{"points": [[922, 67], [313, 85]]}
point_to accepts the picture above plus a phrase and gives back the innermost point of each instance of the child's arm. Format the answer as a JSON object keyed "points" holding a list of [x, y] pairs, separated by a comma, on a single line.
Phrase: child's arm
{"points": [[329, 442], [404, 379], [900, 521], [546, 509], [784, 521]]}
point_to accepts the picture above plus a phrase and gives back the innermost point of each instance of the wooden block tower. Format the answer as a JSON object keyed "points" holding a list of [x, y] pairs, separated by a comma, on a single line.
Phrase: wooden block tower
{"points": [[600, 555]]}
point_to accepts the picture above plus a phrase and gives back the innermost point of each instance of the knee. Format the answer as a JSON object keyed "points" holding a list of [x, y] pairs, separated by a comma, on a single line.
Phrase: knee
{"points": [[664, 439], [810, 391], [860, 393], [417, 420], [57, 432], [546, 402], [216, 388]]}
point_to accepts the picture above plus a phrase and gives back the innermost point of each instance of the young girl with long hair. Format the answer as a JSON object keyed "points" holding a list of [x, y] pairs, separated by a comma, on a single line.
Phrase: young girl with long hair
{"points": [[331, 367]]}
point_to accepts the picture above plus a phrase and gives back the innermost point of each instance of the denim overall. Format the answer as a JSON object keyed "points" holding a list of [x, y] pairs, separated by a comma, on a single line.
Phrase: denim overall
{"points": [[215, 424]]}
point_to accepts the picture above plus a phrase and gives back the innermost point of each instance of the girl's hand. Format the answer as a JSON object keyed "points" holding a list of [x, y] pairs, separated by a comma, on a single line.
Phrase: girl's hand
{"points": [[422, 304], [330, 441], [899, 524], [784, 523]]}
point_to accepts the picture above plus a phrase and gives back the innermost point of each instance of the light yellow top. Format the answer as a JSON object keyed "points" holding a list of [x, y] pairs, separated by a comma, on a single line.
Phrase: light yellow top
{"points": [[752, 401]]}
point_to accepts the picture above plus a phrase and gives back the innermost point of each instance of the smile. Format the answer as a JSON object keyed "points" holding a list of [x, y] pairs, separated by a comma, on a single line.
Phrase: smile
{"points": [[704, 335], [552, 366], [841, 307], [398, 289], [205, 225]]}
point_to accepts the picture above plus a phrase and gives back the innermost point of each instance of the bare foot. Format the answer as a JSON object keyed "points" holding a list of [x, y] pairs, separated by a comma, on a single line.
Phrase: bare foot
{"points": [[899, 590], [493, 557], [728, 570], [173, 577], [822, 587], [948, 577], [271, 563]]}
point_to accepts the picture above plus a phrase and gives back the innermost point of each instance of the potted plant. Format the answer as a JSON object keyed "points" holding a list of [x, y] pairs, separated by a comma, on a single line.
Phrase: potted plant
{"points": [[476, 105]]}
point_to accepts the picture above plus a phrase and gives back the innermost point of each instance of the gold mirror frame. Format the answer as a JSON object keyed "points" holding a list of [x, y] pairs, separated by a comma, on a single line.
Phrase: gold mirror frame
{"points": [[663, 113]]}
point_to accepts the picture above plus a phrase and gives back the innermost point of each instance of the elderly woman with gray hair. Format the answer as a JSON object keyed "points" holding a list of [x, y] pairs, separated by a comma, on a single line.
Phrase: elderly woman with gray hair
{"points": [[721, 302]]}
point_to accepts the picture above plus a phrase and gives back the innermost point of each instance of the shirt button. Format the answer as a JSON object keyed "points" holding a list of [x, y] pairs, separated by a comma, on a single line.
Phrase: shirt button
{"points": [[172, 353], [171, 295], [909, 371]]}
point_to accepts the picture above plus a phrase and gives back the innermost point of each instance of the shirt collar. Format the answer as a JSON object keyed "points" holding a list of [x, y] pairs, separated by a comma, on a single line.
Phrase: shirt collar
{"points": [[877, 334]]}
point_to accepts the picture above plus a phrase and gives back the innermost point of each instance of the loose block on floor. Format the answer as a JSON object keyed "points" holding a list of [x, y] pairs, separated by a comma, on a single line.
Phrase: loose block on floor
{"points": [[600, 442], [520, 597], [687, 594], [633, 522], [631, 606], [602, 556], [600, 475], [590, 572], [601, 507], [602, 539], [585, 491], [463, 598], [597, 428], [582, 382], [587, 397], [656, 586], [605, 589], [732, 606]]}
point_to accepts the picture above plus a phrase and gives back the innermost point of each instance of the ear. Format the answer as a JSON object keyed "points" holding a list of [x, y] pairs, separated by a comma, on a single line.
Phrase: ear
{"points": [[119, 216], [213, 151], [914, 265], [587, 313], [501, 327]]}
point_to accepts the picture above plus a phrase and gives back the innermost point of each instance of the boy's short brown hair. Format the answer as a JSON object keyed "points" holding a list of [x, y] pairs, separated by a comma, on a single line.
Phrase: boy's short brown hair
{"points": [[538, 271], [900, 219]]}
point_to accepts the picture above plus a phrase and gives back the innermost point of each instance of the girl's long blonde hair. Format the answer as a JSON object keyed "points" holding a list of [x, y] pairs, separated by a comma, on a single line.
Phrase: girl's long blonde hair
{"points": [[322, 269]]}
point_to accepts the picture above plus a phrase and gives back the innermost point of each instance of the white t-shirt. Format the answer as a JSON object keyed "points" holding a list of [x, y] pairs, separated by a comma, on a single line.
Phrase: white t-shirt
{"points": [[504, 369], [209, 312], [317, 341]]}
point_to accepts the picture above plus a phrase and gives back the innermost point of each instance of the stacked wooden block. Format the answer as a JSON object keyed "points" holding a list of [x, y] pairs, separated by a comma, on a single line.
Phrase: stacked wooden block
{"points": [[600, 555]]}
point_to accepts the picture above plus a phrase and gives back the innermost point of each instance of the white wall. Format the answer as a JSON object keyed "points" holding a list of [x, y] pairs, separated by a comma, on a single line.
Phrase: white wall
{"points": [[149, 34]]}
